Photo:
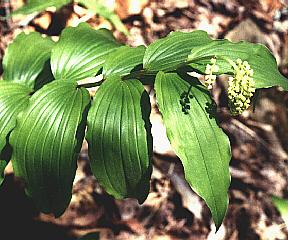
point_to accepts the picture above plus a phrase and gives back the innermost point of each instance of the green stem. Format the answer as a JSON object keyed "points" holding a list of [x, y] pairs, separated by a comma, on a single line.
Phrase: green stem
{"points": [[138, 74], [98, 80], [89, 85], [91, 82]]}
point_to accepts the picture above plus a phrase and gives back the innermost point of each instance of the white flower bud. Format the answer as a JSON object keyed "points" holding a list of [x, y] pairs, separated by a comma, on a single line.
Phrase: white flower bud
{"points": [[240, 87], [210, 78]]}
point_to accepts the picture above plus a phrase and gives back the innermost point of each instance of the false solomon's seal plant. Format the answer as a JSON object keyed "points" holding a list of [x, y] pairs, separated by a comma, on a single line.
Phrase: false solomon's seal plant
{"points": [[46, 110]]}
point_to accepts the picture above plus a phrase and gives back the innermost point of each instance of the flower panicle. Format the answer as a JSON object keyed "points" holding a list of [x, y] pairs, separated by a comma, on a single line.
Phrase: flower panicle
{"points": [[241, 87], [210, 78]]}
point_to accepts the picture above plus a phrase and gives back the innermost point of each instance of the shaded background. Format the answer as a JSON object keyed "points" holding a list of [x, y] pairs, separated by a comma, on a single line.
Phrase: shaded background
{"points": [[172, 211]]}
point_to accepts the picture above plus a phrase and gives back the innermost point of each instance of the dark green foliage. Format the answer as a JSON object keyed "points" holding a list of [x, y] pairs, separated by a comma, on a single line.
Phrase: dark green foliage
{"points": [[46, 143], [124, 61], [171, 52], [45, 125], [263, 63], [201, 145], [81, 52], [24, 61], [122, 126]]}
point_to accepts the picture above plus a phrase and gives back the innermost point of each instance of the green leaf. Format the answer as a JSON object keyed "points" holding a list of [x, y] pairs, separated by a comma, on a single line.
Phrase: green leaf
{"points": [[100, 7], [81, 52], [263, 63], [14, 98], [282, 207], [46, 143], [119, 137], [124, 60], [189, 117], [26, 57], [172, 51], [36, 6]]}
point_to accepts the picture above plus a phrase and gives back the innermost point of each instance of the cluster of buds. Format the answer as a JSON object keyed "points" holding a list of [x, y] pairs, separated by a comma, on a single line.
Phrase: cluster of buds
{"points": [[210, 78], [240, 87]]}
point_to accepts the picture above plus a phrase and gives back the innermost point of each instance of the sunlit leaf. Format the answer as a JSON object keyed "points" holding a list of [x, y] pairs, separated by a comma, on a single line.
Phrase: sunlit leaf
{"points": [[124, 60], [263, 63], [172, 51], [26, 57], [36, 6], [81, 52], [119, 137], [46, 143], [189, 117], [14, 98]]}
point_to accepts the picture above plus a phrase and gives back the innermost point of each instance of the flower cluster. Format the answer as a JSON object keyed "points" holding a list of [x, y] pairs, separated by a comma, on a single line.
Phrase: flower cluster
{"points": [[210, 78], [240, 87]]}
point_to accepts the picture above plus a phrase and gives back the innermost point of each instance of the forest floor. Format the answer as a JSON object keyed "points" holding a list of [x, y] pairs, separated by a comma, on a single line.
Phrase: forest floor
{"points": [[172, 211]]}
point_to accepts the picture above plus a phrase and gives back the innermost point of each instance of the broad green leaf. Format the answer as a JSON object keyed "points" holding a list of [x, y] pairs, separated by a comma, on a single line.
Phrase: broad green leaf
{"points": [[81, 52], [14, 98], [36, 6], [263, 63], [119, 137], [124, 60], [172, 51], [26, 57], [189, 118], [100, 7], [282, 206], [46, 143]]}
